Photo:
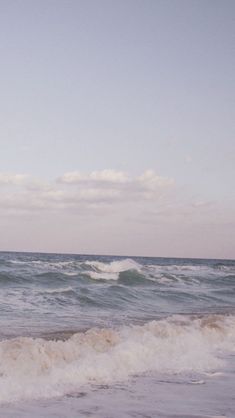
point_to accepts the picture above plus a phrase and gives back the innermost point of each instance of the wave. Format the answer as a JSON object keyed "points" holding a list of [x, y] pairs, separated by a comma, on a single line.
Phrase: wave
{"points": [[193, 274], [93, 269], [105, 268], [111, 271], [192, 270], [56, 290], [37, 368]]}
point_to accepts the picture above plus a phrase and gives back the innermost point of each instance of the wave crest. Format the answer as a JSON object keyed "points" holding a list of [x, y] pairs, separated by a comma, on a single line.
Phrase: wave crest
{"points": [[110, 271]]}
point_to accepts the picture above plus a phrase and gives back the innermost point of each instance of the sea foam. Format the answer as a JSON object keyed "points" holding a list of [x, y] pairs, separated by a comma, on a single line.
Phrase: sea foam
{"points": [[37, 368], [110, 271]]}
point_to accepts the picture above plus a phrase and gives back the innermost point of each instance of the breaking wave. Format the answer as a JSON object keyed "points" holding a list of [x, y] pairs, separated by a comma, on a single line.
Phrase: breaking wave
{"points": [[37, 368], [110, 271]]}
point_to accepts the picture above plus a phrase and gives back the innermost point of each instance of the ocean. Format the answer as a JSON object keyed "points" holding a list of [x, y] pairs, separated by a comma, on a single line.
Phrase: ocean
{"points": [[114, 337]]}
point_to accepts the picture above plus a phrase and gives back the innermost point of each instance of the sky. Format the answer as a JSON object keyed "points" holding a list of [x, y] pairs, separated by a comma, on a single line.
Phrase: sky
{"points": [[117, 127]]}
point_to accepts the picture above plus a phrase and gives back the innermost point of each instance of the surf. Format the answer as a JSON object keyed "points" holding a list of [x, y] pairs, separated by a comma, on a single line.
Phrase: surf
{"points": [[36, 368]]}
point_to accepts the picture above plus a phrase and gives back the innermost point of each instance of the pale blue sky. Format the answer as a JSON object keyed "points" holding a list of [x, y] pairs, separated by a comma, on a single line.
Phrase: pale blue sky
{"points": [[128, 86]]}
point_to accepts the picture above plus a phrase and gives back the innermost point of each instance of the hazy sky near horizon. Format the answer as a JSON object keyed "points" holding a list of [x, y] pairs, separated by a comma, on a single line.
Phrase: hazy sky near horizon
{"points": [[117, 127]]}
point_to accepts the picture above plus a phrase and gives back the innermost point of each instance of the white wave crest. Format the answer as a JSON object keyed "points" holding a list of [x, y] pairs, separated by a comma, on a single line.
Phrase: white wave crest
{"points": [[37, 368], [110, 271]]}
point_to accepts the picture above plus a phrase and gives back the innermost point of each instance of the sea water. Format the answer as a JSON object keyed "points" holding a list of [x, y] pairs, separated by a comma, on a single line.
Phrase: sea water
{"points": [[100, 336]]}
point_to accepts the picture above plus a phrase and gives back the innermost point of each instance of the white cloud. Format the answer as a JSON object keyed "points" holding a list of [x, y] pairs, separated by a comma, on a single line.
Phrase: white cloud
{"points": [[117, 180], [109, 176], [15, 179], [151, 181], [100, 188], [104, 176], [95, 194], [72, 177]]}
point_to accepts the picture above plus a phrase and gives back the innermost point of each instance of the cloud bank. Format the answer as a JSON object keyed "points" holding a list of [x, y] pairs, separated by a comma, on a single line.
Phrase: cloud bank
{"points": [[112, 212], [74, 190]]}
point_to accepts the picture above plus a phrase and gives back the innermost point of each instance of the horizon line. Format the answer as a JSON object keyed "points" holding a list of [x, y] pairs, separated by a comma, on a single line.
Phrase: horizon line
{"points": [[113, 255]]}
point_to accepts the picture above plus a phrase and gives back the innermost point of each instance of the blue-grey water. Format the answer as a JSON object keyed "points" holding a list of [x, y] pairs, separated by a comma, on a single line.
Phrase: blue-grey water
{"points": [[102, 336]]}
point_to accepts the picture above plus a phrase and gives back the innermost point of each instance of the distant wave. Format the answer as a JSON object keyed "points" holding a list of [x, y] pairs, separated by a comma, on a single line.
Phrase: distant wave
{"points": [[56, 290], [110, 270], [38, 368]]}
